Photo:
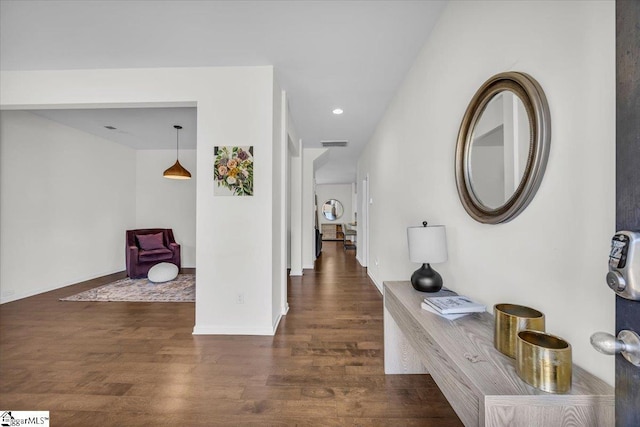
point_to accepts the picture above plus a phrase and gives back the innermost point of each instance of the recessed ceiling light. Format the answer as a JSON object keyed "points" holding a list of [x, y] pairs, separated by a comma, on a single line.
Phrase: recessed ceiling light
{"points": [[338, 111]]}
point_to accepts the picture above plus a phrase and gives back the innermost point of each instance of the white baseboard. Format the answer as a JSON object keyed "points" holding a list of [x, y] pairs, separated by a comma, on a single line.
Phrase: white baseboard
{"points": [[295, 273], [11, 295], [233, 330], [285, 310], [375, 282], [307, 267], [241, 330], [359, 259], [276, 323]]}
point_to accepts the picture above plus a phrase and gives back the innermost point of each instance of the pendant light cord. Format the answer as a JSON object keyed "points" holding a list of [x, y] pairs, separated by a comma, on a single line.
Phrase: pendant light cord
{"points": [[177, 138]]}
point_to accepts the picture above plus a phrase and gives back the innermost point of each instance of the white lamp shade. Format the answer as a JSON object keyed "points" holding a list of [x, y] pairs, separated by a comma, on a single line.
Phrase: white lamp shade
{"points": [[427, 244]]}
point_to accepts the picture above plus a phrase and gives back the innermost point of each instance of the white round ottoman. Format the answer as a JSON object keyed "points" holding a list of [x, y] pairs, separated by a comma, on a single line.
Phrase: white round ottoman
{"points": [[162, 272]]}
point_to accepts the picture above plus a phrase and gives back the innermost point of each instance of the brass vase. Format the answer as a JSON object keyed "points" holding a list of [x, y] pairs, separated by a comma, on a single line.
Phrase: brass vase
{"points": [[544, 361], [509, 320]]}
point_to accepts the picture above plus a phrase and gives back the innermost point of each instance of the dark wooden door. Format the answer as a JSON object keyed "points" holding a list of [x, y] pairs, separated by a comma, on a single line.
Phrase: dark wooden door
{"points": [[627, 189]]}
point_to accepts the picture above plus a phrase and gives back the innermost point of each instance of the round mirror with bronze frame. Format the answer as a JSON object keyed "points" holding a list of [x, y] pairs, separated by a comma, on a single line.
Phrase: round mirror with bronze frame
{"points": [[528, 156]]}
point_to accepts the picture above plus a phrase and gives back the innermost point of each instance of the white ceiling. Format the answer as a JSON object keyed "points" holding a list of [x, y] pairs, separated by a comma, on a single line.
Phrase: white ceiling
{"points": [[326, 54], [139, 128]]}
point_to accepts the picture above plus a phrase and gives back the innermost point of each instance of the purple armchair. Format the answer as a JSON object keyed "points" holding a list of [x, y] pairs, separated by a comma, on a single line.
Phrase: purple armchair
{"points": [[148, 247]]}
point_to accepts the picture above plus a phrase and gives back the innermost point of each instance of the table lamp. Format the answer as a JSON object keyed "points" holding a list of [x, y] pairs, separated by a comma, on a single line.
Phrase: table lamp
{"points": [[427, 245]]}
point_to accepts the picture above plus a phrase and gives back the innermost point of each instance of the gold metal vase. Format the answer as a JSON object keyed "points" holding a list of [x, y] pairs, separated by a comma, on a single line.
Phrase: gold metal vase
{"points": [[509, 320], [544, 361]]}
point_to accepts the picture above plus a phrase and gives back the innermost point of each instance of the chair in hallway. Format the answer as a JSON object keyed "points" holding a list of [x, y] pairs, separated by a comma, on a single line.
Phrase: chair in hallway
{"points": [[148, 247], [349, 236]]}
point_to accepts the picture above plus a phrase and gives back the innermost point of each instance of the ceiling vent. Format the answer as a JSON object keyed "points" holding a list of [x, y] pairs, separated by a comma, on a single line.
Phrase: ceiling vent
{"points": [[328, 144]]}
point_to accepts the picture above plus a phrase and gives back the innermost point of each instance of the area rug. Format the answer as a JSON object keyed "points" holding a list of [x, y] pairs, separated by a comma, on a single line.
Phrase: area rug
{"points": [[181, 289]]}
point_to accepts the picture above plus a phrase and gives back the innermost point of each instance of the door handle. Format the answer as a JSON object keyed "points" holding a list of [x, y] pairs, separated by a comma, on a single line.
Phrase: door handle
{"points": [[627, 343]]}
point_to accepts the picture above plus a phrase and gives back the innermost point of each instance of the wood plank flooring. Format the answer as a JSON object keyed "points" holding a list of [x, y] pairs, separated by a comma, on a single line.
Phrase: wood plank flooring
{"points": [[137, 364]]}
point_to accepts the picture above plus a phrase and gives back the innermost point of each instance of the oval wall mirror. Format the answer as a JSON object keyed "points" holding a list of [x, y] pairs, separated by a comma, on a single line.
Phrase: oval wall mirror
{"points": [[502, 147], [332, 209]]}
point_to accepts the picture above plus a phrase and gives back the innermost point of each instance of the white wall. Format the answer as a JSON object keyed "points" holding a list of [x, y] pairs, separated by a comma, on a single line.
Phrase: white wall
{"points": [[309, 158], [354, 200], [235, 107], [295, 191], [341, 192], [278, 219], [66, 198], [168, 203], [553, 256]]}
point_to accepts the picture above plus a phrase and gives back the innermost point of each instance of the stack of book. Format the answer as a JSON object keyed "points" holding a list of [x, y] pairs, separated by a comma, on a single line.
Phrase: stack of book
{"points": [[452, 307]]}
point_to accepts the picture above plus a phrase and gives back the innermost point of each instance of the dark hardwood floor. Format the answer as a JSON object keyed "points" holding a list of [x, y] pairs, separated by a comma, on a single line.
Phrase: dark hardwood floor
{"points": [[137, 364]]}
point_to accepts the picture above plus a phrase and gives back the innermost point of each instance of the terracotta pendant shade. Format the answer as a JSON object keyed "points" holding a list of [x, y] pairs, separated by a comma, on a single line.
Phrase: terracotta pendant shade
{"points": [[177, 171]]}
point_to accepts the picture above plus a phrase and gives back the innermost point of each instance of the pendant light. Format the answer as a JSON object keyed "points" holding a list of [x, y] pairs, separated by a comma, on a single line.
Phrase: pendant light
{"points": [[177, 171]]}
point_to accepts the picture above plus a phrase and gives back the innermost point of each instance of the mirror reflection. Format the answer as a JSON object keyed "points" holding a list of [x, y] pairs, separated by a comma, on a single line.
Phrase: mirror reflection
{"points": [[332, 209], [499, 150]]}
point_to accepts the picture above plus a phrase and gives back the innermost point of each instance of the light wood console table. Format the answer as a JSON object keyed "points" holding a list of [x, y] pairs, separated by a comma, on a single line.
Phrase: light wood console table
{"points": [[479, 382], [332, 231]]}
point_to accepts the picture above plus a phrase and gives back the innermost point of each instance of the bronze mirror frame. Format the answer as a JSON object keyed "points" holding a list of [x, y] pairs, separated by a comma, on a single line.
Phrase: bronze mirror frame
{"points": [[535, 104]]}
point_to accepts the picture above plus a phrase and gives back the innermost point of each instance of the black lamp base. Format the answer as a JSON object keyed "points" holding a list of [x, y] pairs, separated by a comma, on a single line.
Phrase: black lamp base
{"points": [[426, 279]]}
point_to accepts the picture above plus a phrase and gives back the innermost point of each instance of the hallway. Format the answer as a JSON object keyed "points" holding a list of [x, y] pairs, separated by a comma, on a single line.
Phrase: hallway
{"points": [[336, 320], [137, 364]]}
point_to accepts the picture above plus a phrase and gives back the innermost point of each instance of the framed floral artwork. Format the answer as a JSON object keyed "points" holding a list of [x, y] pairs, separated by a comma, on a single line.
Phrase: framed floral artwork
{"points": [[233, 171]]}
